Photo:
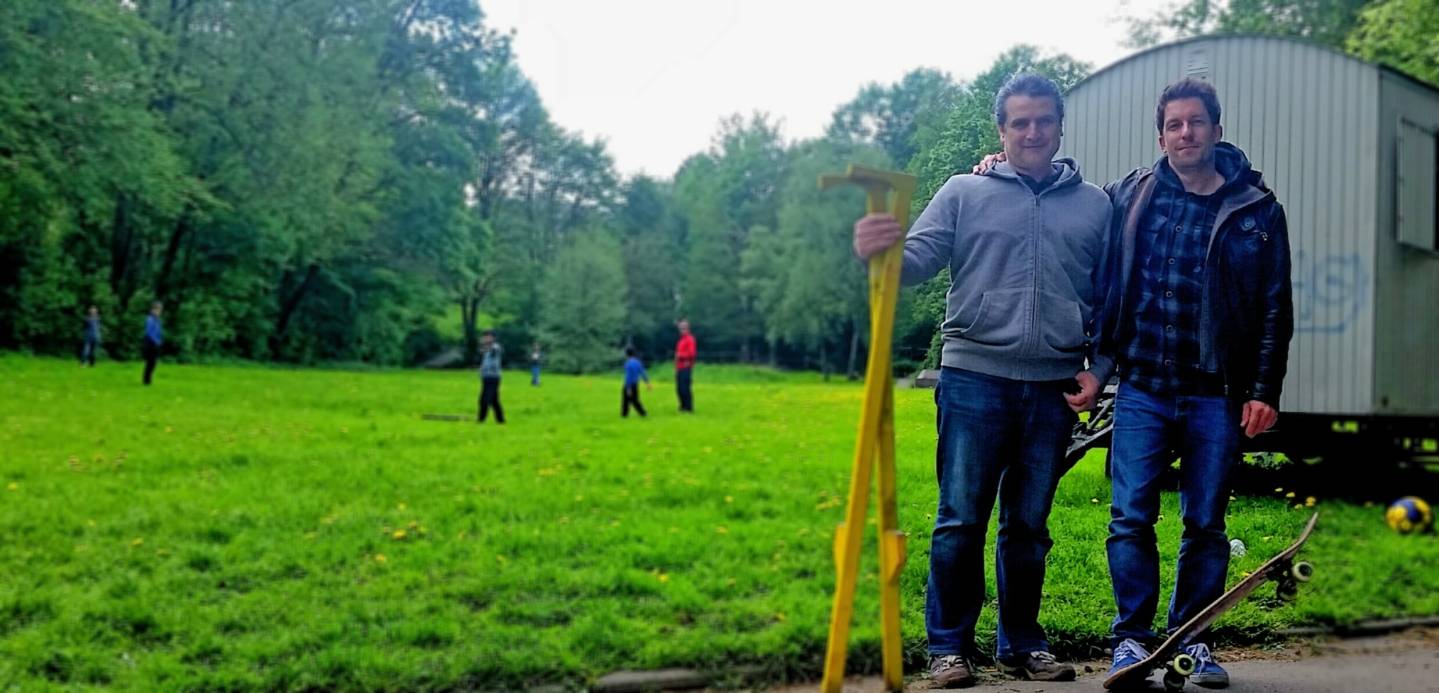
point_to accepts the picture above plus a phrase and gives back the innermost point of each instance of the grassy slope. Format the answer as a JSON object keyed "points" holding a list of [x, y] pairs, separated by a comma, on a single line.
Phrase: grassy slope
{"points": [[237, 527]]}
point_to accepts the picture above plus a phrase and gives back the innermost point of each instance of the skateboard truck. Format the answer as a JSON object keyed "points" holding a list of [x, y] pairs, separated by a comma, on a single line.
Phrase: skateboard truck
{"points": [[886, 191]]}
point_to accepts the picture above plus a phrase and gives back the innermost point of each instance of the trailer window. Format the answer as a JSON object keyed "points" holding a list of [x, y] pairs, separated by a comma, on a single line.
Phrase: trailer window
{"points": [[1418, 186]]}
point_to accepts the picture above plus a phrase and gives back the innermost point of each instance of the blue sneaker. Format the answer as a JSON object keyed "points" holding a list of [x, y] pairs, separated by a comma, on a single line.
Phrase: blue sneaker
{"points": [[1208, 673], [1127, 654]]}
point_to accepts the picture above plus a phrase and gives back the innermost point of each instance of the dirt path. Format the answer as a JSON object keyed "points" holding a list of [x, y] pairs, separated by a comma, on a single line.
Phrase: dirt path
{"points": [[1401, 662]]}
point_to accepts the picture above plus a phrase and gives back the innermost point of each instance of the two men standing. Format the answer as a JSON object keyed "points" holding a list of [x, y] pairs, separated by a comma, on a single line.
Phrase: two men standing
{"points": [[1178, 277]]}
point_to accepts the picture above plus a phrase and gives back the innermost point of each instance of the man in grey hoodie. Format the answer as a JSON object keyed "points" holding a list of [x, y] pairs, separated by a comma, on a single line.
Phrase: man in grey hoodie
{"points": [[1024, 244]]}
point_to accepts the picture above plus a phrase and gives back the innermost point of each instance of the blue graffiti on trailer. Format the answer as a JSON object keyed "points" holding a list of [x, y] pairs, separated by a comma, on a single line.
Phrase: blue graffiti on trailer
{"points": [[1329, 292]]}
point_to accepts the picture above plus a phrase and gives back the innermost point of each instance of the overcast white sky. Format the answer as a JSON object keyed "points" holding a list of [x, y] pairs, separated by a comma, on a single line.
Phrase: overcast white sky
{"points": [[654, 77]]}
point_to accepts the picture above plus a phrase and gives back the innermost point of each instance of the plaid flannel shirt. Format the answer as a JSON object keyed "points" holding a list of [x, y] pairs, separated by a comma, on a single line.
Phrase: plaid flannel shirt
{"points": [[1171, 244]]}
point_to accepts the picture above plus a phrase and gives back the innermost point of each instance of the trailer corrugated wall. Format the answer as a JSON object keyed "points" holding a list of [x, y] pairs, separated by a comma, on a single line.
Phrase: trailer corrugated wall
{"points": [[1308, 119], [1406, 354]]}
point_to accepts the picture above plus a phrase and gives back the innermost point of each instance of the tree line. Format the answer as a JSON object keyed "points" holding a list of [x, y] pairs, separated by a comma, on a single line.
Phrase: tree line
{"points": [[377, 181]]}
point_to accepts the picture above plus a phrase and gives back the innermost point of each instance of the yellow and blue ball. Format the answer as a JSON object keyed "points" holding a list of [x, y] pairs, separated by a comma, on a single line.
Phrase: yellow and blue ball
{"points": [[1409, 514]]}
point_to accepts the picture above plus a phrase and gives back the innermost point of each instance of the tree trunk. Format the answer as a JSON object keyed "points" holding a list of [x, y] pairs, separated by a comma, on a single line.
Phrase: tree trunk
{"points": [[172, 252], [122, 247], [824, 360], [290, 304], [850, 372], [469, 315]]}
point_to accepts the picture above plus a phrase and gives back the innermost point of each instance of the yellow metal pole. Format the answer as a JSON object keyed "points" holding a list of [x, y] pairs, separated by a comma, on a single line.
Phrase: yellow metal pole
{"points": [[874, 444]]}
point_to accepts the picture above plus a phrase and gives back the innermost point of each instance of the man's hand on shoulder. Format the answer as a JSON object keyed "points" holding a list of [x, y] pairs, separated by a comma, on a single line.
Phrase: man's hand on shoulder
{"points": [[987, 163]]}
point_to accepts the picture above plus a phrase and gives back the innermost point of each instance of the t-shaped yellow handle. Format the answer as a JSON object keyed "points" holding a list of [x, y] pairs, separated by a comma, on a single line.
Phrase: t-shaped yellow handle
{"points": [[886, 191]]}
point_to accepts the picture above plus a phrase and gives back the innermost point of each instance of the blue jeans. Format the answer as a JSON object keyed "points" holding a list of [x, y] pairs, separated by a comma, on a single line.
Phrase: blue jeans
{"points": [[1004, 437], [534, 375], [1149, 430]]}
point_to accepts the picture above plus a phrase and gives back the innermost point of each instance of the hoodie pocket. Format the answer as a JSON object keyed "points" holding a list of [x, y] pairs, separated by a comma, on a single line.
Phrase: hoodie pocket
{"points": [[1061, 324], [1000, 320]]}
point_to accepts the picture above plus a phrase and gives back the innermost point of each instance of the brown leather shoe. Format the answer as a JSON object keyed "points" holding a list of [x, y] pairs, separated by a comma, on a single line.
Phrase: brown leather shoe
{"points": [[950, 671], [1038, 666]]}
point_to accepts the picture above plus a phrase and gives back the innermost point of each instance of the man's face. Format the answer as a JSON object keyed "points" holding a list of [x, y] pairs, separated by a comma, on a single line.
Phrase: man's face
{"points": [[1188, 136], [1030, 133], [487, 340], [684, 327]]}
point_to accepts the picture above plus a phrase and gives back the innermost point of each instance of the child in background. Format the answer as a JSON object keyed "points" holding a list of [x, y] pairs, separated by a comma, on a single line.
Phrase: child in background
{"points": [[634, 373]]}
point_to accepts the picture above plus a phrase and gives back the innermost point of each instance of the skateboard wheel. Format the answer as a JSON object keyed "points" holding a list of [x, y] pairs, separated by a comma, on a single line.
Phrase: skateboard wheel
{"points": [[1287, 590], [1183, 664], [1302, 571], [1174, 682]]}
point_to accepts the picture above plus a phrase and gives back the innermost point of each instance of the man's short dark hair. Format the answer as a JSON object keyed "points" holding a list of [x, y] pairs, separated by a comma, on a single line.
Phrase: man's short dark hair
{"points": [[629, 351], [1188, 88], [487, 333], [1027, 84]]}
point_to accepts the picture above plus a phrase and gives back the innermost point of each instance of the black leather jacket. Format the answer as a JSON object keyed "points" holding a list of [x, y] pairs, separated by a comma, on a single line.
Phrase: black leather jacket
{"points": [[1247, 316]]}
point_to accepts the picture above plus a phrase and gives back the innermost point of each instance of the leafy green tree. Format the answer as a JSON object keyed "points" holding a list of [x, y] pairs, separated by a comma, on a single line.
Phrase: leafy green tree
{"points": [[651, 247], [583, 305], [1327, 22], [893, 116], [1403, 34], [724, 194], [818, 298]]}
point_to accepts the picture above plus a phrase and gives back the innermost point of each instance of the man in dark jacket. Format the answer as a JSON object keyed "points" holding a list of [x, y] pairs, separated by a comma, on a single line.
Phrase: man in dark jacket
{"points": [[1197, 317]]}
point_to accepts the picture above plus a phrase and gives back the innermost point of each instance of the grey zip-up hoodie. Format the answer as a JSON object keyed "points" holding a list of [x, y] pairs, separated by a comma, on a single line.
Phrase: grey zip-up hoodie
{"points": [[1023, 267]]}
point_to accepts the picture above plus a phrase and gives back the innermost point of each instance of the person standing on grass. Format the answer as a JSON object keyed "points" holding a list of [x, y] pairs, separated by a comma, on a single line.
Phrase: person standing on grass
{"points": [[92, 337], [684, 366], [634, 373], [490, 353], [1198, 319], [153, 339], [535, 358], [1024, 244]]}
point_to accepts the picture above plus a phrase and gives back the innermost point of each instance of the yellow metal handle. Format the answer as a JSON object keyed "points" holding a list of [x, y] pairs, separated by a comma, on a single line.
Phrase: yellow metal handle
{"points": [[874, 446]]}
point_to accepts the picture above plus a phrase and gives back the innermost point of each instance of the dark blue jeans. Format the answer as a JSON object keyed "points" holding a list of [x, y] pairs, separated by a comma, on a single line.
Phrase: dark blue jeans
{"points": [[1149, 432], [684, 379], [996, 437]]}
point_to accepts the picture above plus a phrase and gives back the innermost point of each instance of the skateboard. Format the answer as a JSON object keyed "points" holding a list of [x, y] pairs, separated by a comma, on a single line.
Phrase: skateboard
{"points": [[1170, 656]]}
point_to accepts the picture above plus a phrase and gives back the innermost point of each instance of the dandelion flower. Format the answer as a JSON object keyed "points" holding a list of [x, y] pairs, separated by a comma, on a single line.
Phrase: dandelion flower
{"points": [[399, 535], [722, 530], [380, 558], [12, 486]]}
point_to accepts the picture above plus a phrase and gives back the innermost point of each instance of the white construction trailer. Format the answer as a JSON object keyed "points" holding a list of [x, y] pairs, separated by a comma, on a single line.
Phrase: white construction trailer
{"points": [[1351, 149]]}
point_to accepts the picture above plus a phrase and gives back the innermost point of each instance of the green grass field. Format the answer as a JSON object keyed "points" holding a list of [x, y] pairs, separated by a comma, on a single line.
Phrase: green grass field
{"points": [[238, 527]]}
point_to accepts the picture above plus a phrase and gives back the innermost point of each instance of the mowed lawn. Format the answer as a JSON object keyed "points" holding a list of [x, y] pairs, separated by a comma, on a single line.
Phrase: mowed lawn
{"points": [[235, 527]]}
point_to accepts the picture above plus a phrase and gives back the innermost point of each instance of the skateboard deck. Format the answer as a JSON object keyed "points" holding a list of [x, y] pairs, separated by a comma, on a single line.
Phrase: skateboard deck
{"points": [[1170, 655]]}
